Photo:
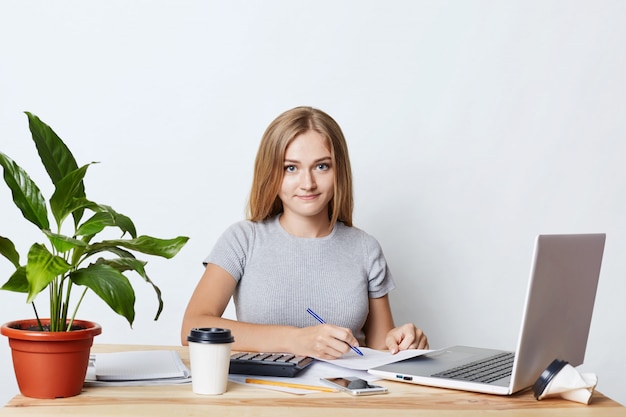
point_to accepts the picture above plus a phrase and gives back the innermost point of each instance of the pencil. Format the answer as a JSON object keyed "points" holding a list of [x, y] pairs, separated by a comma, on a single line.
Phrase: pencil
{"points": [[288, 385]]}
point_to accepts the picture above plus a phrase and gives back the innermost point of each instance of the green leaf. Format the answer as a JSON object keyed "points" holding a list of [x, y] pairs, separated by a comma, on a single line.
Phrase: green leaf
{"points": [[55, 155], [68, 190], [76, 206], [7, 248], [95, 224], [17, 282], [64, 243], [166, 248], [111, 286], [125, 224], [126, 264], [105, 217], [42, 268], [122, 253], [26, 195]]}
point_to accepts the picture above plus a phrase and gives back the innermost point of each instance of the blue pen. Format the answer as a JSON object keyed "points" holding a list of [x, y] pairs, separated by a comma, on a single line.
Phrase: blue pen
{"points": [[321, 320]]}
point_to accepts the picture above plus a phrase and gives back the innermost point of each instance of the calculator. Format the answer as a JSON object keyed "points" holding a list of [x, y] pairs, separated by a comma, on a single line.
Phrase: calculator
{"points": [[268, 364]]}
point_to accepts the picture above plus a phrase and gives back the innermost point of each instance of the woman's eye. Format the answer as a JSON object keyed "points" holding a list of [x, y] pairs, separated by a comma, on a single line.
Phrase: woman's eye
{"points": [[323, 167], [290, 168]]}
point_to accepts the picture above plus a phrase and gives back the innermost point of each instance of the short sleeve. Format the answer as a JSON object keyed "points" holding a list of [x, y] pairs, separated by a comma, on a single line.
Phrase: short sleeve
{"points": [[232, 249], [380, 279]]}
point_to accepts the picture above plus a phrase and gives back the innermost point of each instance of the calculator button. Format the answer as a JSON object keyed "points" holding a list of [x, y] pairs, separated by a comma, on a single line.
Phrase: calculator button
{"points": [[248, 356], [238, 355], [261, 356]]}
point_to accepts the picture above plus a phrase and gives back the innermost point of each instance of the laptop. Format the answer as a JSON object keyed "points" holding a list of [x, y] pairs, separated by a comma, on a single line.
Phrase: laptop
{"points": [[555, 325]]}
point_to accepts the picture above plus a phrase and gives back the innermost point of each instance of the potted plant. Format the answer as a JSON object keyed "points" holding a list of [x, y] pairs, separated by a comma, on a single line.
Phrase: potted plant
{"points": [[71, 262]]}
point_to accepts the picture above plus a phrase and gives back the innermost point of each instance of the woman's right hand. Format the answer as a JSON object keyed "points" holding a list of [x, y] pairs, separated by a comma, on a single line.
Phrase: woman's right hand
{"points": [[324, 341]]}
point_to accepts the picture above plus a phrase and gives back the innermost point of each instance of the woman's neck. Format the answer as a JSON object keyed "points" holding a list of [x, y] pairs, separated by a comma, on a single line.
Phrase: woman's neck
{"points": [[309, 227]]}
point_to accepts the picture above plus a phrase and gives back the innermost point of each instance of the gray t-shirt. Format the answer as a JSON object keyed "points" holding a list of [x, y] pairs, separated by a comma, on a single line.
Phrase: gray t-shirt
{"points": [[279, 275]]}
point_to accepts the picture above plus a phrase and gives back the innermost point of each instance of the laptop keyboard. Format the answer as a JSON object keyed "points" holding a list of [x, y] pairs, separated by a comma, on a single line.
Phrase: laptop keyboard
{"points": [[485, 370]]}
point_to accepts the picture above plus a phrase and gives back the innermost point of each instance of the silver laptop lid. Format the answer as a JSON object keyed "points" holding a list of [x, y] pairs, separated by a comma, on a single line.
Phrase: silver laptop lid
{"points": [[559, 304]]}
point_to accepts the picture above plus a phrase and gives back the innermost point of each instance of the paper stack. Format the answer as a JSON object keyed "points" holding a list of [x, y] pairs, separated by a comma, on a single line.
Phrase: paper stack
{"points": [[151, 367]]}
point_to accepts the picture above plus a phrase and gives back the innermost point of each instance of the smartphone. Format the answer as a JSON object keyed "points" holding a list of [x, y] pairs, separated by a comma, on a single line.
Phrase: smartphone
{"points": [[354, 385]]}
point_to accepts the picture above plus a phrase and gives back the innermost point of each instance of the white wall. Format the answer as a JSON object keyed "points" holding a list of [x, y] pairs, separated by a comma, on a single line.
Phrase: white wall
{"points": [[472, 126]]}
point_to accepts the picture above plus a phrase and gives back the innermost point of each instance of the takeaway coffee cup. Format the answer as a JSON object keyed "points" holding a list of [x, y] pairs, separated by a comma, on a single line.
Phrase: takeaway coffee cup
{"points": [[209, 356]]}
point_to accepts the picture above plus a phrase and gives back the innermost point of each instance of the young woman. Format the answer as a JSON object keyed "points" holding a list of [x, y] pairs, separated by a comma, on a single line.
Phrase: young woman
{"points": [[299, 250]]}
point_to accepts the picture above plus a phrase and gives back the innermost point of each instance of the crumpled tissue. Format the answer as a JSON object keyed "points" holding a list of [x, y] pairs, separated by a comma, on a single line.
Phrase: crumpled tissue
{"points": [[561, 379]]}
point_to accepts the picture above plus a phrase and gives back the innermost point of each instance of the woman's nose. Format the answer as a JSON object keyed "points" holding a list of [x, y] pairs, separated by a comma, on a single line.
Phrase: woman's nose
{"points": [[307, 182]]}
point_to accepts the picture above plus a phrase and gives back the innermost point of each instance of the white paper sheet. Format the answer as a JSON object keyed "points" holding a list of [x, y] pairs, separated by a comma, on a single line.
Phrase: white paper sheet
{"points": [[372, 358]]}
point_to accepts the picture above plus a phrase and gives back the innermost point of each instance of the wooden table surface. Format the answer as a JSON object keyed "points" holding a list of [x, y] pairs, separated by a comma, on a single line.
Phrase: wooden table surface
{"points": [[239, 400]]}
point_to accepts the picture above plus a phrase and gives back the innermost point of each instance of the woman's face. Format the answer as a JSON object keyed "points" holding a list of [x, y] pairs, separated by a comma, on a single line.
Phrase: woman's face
{"points": [[308, 181]]}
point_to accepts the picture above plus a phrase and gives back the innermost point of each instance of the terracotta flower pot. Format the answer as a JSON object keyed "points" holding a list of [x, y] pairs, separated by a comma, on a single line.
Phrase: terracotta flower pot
{"points": [[50, 364]]}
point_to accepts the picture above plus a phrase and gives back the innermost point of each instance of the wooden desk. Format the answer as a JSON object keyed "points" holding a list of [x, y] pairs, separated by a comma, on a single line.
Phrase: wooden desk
{"points": [[239, 400]]}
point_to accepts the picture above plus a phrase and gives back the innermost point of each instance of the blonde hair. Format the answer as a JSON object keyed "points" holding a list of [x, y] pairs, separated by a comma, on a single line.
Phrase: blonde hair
{"points": [[269, 164]]}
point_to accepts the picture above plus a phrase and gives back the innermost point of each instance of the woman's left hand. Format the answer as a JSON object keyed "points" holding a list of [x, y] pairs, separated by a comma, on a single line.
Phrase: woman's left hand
{"points": [[405, 337]]}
